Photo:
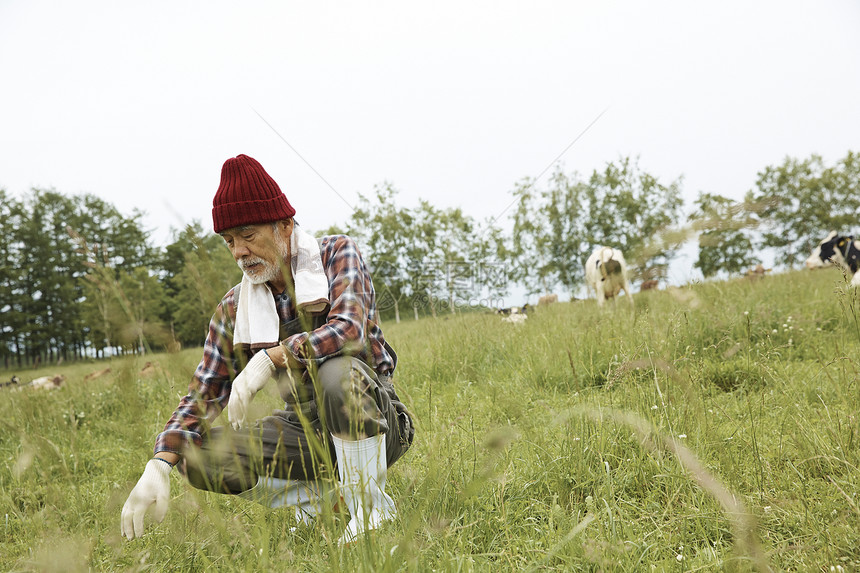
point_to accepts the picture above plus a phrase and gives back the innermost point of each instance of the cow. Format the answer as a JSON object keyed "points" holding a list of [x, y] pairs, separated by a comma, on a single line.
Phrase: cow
{"points": [[838, 250], [515, 310], [606, 273], [148, 369], [96, 374], [47, 382], [12, 382], [517, 318], [757, 272], [649, 285], [547, 299]]}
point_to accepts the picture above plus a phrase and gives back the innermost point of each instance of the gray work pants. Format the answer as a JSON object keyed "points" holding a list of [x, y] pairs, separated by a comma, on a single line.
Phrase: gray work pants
{"points": [[345, 397]]}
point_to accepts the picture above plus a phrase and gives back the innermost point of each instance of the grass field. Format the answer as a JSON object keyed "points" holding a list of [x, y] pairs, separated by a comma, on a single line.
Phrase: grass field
{"points": [[715, 427]]}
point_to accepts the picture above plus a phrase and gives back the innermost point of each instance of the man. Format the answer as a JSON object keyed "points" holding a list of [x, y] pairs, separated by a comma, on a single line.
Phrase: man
{"points": [[304, 314]]}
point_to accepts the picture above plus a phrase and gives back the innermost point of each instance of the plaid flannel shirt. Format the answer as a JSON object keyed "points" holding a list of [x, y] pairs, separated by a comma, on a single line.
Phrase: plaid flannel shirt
{"points": [[351, 329]]}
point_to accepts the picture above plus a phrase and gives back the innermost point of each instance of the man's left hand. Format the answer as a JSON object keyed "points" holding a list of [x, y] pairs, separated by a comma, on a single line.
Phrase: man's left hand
{"points": [[259, 370]]}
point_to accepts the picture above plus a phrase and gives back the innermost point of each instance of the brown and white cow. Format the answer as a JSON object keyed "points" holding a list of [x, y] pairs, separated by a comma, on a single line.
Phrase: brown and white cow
{"points": [[606, 274], [547, 299], [757, 272], [837, 250], [47, 382]]}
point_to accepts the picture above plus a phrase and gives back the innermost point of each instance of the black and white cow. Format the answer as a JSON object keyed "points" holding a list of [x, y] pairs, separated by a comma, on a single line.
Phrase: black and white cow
{"points": [[837, 250], [515, 314]]}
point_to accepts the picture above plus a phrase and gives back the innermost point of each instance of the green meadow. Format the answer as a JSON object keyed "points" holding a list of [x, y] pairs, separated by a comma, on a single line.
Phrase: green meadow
{"points": [[713, 427]]}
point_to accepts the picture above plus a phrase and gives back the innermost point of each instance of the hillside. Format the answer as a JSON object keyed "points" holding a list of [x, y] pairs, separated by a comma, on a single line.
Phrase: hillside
{"points": [[713, 427]]}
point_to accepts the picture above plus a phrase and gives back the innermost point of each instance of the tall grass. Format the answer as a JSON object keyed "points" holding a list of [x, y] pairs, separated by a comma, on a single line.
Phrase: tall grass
{"points": [[714, 427]]}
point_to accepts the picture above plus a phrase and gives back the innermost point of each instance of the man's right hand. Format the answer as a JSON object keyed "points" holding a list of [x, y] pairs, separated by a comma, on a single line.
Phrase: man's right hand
{"points": [[153, 487]]}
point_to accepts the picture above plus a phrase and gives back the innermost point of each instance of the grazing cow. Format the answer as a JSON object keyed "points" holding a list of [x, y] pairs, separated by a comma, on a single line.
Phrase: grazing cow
{"points": [[837, 250], [514, 310], [13, 382], [649, 285], [96, 374], [757, 272], [547, 299], [516, 318], [47, 382], [148, 369], [606, 273]]}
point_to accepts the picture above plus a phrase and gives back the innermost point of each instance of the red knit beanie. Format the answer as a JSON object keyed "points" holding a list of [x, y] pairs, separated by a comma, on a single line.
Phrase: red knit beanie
{"points": [[247, 195]]}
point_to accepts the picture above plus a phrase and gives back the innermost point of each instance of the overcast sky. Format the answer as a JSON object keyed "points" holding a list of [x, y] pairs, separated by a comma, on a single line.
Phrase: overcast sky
{"points": [[141, 103]]}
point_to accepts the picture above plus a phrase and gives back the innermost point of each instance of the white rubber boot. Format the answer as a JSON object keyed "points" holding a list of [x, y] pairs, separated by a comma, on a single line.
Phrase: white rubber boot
{"points": [[305, 497], [363, 468]]}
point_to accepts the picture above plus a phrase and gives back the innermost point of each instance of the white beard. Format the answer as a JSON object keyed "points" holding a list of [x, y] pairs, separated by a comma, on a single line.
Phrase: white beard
{"points": [[267, 270]]}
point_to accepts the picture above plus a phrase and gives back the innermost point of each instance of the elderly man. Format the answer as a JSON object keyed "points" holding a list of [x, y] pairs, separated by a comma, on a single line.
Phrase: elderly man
{"points": [[305, 315]]}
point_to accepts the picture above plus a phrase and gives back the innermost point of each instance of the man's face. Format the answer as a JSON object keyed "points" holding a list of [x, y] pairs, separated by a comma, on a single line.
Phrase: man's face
{"points": [[259, 250]]}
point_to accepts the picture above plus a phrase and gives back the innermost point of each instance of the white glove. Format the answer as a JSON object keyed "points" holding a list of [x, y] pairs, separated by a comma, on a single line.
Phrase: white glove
{"points": [[153, 487], [250, 380]]}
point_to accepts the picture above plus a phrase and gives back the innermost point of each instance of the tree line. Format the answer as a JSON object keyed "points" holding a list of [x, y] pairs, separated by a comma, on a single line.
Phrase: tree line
{"points": [[80, 279]]}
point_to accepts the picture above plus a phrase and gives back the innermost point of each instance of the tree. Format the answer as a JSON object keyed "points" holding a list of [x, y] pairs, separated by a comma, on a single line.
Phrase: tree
{"points": [[12, 290], [424, 271], [802, 200], [427, 254], [443, 257], [385, 230], [557, 228], [632, 210], [548, 234], [48, 266], [725, 240], [493, 257], [140, 298], [455, 254], [108, 238], [206, 272], [107, 244]]}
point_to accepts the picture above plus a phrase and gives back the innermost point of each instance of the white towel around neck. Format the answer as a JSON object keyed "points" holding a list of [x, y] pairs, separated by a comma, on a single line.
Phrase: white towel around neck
{"points": [[308, 273], [257, 318]]}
